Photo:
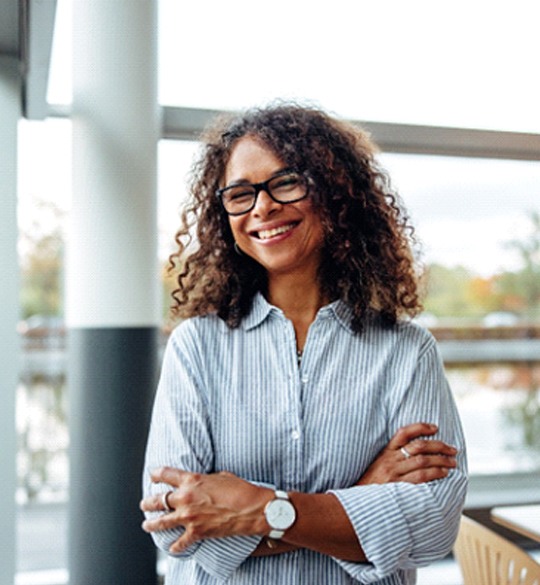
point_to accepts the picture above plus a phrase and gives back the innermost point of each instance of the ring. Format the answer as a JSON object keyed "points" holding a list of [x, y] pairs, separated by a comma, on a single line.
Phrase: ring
{"points": [[165, 501], [406, 454]]}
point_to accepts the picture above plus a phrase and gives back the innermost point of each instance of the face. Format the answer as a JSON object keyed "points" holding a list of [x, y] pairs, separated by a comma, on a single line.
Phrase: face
{"points": [[283, 238]]}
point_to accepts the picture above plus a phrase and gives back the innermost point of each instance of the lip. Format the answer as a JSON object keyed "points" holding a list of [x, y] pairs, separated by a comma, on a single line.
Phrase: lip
{"points": [[277, 227]]}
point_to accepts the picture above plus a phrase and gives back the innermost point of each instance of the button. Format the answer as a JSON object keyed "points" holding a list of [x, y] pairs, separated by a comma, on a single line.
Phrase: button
{"points": [[295, 435], [305, 380]]}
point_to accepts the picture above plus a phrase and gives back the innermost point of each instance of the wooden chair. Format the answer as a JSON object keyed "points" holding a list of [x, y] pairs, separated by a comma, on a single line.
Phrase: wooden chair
{"points": [[485, 558]]}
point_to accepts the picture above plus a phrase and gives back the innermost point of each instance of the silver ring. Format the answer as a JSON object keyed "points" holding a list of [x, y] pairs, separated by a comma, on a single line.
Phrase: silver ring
{"points": [[165, 501], [406, 454]]}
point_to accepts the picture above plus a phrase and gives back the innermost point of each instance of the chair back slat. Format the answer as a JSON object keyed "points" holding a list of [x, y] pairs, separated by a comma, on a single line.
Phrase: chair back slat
{"points": [[486, 558]]}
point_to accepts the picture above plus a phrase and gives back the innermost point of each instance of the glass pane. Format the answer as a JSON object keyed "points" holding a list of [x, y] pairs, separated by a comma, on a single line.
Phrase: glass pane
{"points": [[411, 62], [390, 61], [44, 195], [500, 410], [468, 211], [175, 157], [479, 221]]}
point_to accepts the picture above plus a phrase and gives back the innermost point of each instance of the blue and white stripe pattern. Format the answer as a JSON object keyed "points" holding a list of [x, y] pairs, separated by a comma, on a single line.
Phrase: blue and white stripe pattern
{"points": [[236, 400]]}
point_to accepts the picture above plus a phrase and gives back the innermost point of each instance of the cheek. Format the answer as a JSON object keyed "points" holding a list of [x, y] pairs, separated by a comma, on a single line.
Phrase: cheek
{"points": [[236, 228]]}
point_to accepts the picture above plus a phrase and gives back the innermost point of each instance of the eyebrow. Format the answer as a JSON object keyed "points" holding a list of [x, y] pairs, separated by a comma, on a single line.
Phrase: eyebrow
{"points": [[239, 182]]}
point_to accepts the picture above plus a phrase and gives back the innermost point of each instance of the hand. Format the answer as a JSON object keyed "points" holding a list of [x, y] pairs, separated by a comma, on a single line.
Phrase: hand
{"points": [[429, 459], [206, 506]]}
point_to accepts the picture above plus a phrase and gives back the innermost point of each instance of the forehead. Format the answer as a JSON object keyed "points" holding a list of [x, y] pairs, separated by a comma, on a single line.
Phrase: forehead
{"points": [[251, 160]]}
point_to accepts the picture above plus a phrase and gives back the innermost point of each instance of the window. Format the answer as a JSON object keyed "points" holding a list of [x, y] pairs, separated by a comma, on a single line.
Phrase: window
{"points": [[452, 64]]}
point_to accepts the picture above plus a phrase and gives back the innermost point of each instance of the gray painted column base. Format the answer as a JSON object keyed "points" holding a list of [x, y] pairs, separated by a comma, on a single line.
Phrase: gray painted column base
{"points": [[112, 378]]}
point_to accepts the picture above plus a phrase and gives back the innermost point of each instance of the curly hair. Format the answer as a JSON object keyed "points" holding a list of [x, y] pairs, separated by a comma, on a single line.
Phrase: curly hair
{"points": [[367, 257]]}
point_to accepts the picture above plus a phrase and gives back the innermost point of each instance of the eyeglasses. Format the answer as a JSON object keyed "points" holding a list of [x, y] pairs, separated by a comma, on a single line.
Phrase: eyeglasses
{"points": [[285, 187]]}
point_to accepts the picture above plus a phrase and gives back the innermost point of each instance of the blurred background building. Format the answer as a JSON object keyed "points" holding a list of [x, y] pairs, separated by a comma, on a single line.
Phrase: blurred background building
{"points": [[101, 104]]}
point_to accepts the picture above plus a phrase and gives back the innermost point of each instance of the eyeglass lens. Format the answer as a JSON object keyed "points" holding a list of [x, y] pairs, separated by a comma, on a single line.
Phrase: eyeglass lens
{"points": [[285, 188]]}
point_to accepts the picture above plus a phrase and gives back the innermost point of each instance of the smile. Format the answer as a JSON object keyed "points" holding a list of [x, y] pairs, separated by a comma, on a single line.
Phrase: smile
{"points": [[267, 234]]}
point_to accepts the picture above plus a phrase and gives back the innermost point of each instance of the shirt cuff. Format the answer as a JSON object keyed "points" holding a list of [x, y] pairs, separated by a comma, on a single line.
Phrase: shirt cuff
{"points": [[221, 557], [381, 530]]}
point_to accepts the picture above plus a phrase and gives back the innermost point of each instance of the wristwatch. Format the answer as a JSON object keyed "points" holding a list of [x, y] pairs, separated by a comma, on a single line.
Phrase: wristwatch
{"points": [[280, 514]]}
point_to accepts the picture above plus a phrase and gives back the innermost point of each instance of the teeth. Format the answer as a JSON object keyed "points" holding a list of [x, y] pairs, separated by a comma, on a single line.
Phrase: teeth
{"points": [[265, 234]]}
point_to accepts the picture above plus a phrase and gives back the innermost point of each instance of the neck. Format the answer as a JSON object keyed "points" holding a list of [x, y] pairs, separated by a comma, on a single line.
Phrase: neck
{"points": [[299, 299]]}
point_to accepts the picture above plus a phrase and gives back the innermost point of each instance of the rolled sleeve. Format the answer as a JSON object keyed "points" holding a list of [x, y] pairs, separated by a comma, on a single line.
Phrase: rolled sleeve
{"points": [[401, 525]]}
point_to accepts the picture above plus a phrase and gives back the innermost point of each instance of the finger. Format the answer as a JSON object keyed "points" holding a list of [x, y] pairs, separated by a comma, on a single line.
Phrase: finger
{"points": [[163, 522], [411, 432], [184, 542], [163, 502], [419, 462], [425, 475], [173, 476], [150, 525], [151, 504], [421, 446]]}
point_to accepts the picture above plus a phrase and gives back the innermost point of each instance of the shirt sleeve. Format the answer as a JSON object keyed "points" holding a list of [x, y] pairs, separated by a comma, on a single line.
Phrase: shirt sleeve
{"points": [[180, 437], [401, 525]]}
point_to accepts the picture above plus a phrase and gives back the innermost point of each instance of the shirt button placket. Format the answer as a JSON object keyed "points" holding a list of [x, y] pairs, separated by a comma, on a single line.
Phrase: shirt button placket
{"points": [[294, 463]]}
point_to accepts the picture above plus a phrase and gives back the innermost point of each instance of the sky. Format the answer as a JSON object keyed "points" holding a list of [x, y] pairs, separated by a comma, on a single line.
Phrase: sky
{"points": [[466, 63]]}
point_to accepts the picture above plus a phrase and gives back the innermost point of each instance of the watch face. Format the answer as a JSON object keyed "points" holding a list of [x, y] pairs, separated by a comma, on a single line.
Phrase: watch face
{"points": [[280, 514]]}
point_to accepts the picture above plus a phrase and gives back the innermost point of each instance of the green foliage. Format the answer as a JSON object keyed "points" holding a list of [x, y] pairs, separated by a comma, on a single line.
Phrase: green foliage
{"points": [[456, 292], [41, 245], [522, 288], [451, 292]]}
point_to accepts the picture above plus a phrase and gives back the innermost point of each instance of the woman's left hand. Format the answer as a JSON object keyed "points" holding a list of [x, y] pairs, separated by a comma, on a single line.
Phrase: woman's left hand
{"points": [[206, 506], [410, 458]]}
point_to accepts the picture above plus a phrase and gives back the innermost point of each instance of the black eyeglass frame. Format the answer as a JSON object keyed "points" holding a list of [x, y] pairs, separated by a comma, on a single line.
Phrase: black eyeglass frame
{"points": [[263, 186]]}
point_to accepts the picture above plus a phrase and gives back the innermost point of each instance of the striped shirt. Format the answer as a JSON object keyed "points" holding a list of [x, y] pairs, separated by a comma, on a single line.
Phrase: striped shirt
{"points": [[237, 400]]}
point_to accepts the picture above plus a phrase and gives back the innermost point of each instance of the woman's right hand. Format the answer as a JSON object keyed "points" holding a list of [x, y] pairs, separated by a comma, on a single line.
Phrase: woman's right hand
{"points": [[427, 459]]}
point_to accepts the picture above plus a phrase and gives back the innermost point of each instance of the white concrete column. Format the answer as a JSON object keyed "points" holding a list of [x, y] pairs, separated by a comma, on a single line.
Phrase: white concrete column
{"points": [[113, 249], [112, 286], [10, 113]]}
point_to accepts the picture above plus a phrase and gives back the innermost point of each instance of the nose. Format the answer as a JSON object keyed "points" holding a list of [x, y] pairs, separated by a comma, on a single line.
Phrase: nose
{"points": [[265, 205]]}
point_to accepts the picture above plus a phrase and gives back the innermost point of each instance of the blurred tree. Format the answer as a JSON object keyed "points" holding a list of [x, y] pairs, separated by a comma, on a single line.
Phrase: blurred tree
{"points": [[521, 289], [456, 292], [41, 245]]}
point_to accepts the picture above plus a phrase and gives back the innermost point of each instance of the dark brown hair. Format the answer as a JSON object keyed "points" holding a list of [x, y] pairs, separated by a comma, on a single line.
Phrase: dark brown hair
{"points": [[367, 257]]}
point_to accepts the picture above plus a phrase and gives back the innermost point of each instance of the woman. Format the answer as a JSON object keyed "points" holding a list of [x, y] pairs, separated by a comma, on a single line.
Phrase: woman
{"points": [[281, 441]]}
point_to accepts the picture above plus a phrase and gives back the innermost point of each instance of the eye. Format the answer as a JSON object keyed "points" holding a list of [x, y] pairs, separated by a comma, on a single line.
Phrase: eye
{"points": [[286, 182], [239, 192]]}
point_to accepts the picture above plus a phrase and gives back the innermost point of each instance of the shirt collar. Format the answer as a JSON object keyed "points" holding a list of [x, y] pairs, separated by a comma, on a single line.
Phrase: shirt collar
{"points": [[342, 312], [261, 309]]}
